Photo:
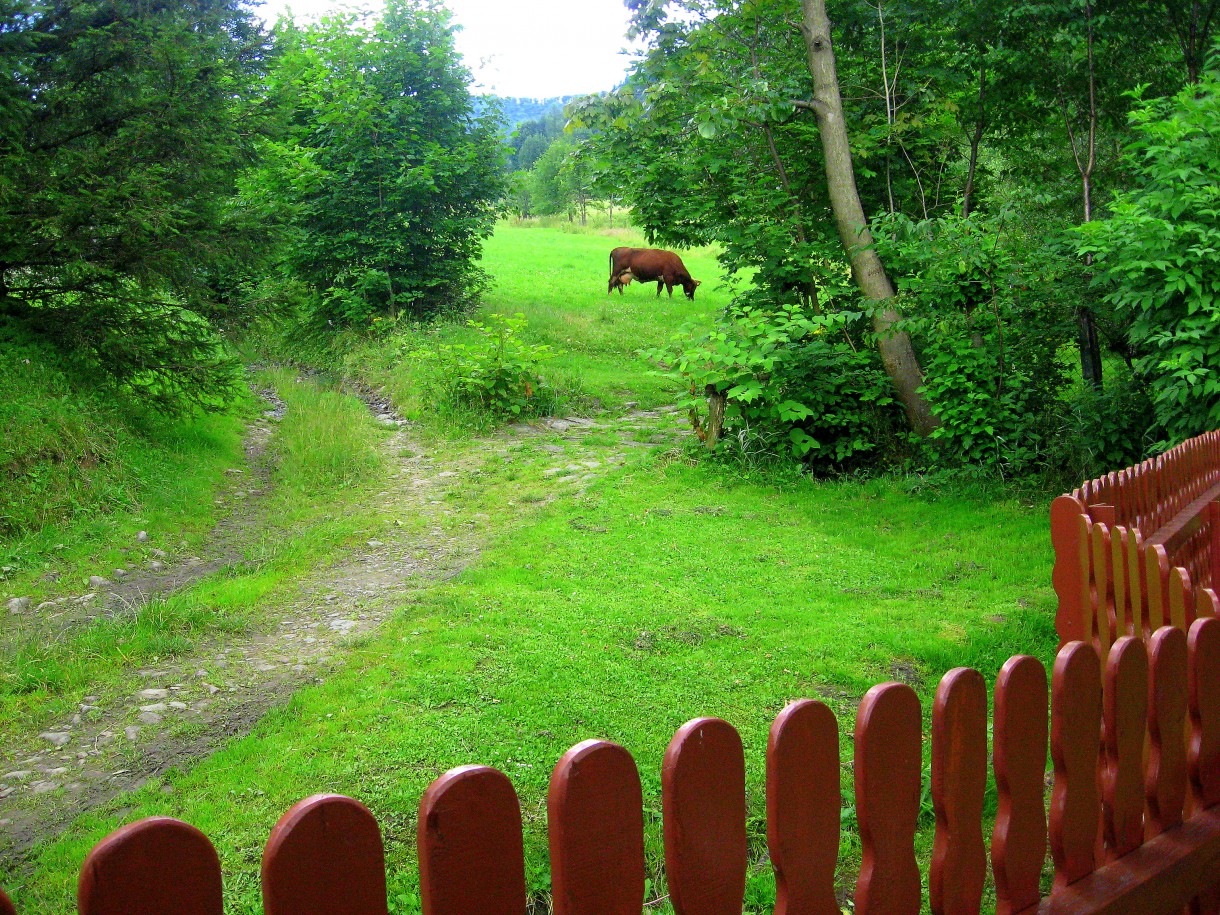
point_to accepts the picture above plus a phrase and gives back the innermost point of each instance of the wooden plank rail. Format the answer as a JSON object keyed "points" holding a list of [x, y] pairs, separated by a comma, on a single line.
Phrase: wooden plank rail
{"points": [[1139, 547], [1133, 826]]}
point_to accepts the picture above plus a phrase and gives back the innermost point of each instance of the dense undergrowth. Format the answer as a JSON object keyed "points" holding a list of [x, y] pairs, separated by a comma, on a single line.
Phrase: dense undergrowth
{"points": [[79, 460]]}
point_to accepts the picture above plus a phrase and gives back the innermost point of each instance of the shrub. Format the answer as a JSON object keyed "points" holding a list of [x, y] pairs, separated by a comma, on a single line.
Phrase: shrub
{"points": [[795, 383], [1157, 256], [498, 374], [986, 313]]}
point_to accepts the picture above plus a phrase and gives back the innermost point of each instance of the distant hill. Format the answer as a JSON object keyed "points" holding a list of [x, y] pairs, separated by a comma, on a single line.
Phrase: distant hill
{"points": [[516, 111]]}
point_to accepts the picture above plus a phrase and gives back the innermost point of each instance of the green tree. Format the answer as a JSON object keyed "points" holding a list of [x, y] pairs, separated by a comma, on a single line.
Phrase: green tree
{"points": [[383, 178], [1157, 255], [120, 143]]}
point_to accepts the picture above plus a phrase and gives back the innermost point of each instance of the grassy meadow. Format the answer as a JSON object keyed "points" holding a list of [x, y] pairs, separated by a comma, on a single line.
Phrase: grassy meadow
{"points": [[664, 590]]}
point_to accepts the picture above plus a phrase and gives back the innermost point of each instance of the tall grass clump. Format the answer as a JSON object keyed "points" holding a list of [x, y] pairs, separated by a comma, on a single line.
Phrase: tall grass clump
{"points": [[77, 457], [327, 440]]}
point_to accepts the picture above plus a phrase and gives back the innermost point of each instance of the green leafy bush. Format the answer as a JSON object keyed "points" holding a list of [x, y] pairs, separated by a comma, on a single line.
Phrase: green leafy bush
{"points": [[1159, 256], [988, 314], [807, 385], [498, 374]]}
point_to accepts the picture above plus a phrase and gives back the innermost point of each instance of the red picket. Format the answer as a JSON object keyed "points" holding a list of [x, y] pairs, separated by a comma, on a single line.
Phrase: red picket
{"points": [[959, 781], [1124, 622], [324, 856], [1181, 602], [703, 800], [1165, 778], [6, 907], [1018, 841], [803, 808], [151, 867], [595, 822], [1204, 691], [888, 762], [1076, 722], [1126, 717], [1104, 578], [471, 859]]}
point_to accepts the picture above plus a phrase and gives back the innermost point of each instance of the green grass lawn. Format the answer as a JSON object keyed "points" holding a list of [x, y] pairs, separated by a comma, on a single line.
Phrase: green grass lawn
{"points": [[666, 591]]}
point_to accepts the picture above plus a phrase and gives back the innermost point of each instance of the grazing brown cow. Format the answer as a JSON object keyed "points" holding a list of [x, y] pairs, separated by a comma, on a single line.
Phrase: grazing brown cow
{"points": [[646, 265]]}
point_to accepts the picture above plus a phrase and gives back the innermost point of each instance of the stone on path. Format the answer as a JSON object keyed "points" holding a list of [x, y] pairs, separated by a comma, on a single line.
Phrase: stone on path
{"points": [[57, 738], [150, 717], [132, 732], [156, 566], [154, 694], [19, 605], [97, 581], [142, 537]]}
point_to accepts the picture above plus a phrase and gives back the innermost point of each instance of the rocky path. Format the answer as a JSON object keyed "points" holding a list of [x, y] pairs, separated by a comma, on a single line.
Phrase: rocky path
{"points": [[188, 706]]}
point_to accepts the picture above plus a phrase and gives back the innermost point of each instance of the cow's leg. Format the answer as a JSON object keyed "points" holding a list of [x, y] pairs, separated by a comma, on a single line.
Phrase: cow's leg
{"points": [[660, 283]]}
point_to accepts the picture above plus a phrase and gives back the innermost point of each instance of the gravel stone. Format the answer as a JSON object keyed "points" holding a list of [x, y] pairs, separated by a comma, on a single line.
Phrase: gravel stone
{"points": [[19, 605], [57, 738]]}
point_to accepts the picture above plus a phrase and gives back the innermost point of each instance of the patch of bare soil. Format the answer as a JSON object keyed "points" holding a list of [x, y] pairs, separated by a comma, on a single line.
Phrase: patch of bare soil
{"points": [[184, 709]]}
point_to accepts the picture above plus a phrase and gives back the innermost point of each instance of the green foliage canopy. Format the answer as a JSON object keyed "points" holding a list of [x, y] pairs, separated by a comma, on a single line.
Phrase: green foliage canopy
{"points": [[1158, 255], [382, 175]]}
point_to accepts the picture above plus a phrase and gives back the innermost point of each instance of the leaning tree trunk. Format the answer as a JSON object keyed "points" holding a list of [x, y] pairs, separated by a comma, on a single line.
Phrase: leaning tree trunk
{"points": [[867, 271]]}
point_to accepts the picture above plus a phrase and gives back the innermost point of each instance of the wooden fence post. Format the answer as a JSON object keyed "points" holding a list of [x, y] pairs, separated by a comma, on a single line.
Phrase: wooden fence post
{"points": [[1018, 841], [595, 823], [151, 867], [6, 907], [804, 808], [471, 858], [1126, 722], [959, 781], [703, 796], [1165, 780], [888, 764], [1075, 726], [1066, 512], [324, 856]]}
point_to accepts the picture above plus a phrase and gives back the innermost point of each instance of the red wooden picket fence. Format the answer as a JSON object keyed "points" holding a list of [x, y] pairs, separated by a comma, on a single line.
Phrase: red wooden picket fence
{"points": [[1133, 824], [1139, 548]]}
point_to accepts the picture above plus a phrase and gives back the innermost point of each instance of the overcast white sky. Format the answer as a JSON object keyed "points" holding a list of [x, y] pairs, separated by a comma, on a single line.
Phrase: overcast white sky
{"points": [[530, 49]]}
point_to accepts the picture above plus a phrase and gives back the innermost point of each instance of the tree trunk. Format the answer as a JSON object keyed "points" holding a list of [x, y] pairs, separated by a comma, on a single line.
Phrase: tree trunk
{"points": [[976, 138], [895, 346]]}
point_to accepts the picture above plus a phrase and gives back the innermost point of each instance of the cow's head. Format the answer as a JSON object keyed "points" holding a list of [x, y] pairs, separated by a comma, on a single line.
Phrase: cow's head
{"points": [[689, 287]]}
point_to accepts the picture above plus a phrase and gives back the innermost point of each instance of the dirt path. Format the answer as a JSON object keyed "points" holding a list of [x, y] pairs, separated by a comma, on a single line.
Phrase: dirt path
{"points": [[186, 708]]}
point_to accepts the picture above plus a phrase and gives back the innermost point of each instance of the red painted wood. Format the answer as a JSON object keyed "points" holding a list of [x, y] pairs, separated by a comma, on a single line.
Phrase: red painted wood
{"points": [[1136, 589], [1181, 599], [1206, 604], [703, 798], [6, 907], [1018, 841], [151, 867], [888, 762], [1158, 878], [471, 860], [1213, 519], [1075, 724], [595, 821], [1126, 717], [1156, 579], [803, 808], [1204, 691], [959, 780], [1066, 512], [1123, 622], [1166, 779], [325, 856], [1103, 578]]}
